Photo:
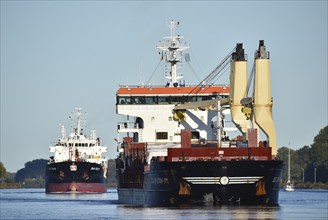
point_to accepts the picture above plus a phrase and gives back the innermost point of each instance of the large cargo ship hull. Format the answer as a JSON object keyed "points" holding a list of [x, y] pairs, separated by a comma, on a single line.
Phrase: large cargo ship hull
{"points": [[186, 144], [79, 177], [204, 182]]}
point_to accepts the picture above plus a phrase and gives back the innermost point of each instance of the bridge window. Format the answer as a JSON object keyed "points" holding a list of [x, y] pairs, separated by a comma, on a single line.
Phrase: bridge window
{"points": [[150, 100], [163, 99], [128, 100]]}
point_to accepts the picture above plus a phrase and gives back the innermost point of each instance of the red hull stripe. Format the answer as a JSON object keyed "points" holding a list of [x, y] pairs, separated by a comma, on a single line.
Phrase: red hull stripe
{"points": [[76, 187]]}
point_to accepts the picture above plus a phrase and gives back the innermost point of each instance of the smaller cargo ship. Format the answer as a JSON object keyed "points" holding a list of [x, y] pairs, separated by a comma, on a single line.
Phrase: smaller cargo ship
{"points": [[78, 164]]}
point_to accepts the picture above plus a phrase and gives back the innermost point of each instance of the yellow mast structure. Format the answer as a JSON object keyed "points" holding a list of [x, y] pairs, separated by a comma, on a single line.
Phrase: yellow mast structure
{"points": [[238, 86], [257, 109], [262, 102]]}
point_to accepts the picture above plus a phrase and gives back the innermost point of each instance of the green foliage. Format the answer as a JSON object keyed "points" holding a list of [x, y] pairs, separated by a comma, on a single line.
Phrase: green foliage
{"points": [[3, 171], [33, 170], [308, 160], [9, 185], [6, 179], [34, 182], [322, 137]]}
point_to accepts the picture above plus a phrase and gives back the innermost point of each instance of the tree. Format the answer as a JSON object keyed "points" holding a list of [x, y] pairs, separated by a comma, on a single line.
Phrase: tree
{"points": [[33, 170], [304, 161], [3, 171], [322, 137], [319, 155], [307, 160]]}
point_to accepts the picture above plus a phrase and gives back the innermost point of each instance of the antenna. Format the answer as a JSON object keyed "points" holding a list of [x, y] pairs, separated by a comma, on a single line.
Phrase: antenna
{"points": [[172, 48], [78, 120], [141, 72], [63, 131], [173, 26]]}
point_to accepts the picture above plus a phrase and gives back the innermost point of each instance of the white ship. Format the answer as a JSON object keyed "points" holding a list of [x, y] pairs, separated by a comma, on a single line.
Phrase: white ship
{"points": [[79, 163]]}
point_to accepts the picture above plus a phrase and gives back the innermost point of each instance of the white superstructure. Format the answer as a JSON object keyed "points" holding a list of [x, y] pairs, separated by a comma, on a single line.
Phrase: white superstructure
{"points": [[149, 110], [77, 146]]}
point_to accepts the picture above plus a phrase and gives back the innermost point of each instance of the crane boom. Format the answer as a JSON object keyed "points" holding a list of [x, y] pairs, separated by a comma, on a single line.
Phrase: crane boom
{"points": [[257, 108]]}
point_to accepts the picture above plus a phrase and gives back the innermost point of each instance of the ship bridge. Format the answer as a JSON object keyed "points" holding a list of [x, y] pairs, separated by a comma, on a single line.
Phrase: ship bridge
{"points": [[168, 95], [150, 109]]}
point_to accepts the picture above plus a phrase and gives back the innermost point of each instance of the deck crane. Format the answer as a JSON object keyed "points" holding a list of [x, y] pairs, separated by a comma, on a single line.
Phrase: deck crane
{"points": [[246, 112]]}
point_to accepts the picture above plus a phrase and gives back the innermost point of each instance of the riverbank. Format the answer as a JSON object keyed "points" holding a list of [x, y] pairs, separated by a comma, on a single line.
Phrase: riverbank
{"points": [[13, 185], [311, 185], [10, 185]]}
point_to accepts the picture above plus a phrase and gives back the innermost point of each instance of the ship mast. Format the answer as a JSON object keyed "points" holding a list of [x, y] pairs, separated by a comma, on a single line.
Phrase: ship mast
{"points": [[173, 48], [77, 132], [288, 178], [78, 120]]}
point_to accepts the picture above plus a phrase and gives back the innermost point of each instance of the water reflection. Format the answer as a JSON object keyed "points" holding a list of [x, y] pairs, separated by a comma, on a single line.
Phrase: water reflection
{"points": [[36, 204], [202, 212]]}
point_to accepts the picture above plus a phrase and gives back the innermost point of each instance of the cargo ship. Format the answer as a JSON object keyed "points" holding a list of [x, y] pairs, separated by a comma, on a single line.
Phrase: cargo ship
{"points": [[78, 164], [174, 142]]}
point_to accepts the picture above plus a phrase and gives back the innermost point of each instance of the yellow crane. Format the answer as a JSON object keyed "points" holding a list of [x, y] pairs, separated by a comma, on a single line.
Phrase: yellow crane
{"points": [[246, 112]]}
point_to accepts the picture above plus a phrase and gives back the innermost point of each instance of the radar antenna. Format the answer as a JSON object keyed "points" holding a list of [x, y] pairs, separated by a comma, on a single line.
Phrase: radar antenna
{"points": [[172, 48]]}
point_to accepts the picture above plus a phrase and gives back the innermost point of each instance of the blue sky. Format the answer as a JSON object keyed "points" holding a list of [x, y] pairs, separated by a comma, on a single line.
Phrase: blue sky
{"points": [[58, 55]]}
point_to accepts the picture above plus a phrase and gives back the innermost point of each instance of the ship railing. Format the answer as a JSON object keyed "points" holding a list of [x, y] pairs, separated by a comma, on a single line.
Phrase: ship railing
{"points": [[161, 86]]}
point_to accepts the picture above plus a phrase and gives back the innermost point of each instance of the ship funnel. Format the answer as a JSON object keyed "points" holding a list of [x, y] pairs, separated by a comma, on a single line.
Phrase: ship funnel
{"points": [[262, 103], [238, 86]]}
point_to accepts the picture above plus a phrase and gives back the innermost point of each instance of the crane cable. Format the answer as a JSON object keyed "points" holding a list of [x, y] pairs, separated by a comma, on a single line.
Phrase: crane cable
{"points": [[154, 70], [210, 79], [187, 59]]}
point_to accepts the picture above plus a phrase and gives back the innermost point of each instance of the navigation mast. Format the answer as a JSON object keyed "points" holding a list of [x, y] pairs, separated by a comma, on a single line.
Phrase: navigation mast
{"points": [[173, 48]]}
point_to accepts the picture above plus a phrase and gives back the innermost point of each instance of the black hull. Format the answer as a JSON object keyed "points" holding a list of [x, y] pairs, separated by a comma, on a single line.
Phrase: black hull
{"points": [[80, 177], [245, 182]]}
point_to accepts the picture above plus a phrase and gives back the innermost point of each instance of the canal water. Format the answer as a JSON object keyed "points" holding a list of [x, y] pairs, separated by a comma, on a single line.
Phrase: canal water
{"points": [[36, 204]]}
